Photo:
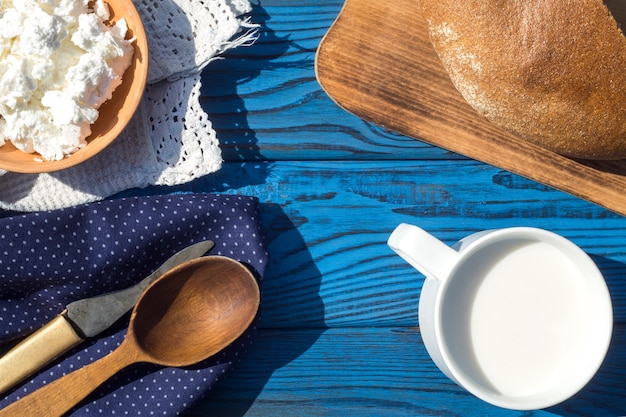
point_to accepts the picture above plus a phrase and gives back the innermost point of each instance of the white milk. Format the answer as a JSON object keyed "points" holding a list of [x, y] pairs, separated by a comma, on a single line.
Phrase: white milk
{"points": [[525, 324], [519, 317]]}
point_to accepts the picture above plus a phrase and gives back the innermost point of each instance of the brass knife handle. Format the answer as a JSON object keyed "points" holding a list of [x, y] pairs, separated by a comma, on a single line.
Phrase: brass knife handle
{"points": [[37, 351]]}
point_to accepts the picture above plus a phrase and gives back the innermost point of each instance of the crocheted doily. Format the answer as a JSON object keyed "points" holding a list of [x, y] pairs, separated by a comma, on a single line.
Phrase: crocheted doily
{"points": [[170, 139]]}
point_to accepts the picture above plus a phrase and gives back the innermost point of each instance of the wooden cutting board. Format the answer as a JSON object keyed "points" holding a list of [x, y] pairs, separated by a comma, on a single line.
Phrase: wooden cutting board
{"points": [[376, 61]]}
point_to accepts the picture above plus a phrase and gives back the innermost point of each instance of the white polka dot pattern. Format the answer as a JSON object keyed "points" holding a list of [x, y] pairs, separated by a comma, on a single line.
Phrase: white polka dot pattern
{"points": [[49, 259]]}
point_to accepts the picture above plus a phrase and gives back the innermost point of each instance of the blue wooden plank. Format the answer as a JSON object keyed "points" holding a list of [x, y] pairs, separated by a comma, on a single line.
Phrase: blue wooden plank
{"points": [[265, 103], [327, 223], [338, 333], [376, 372]]}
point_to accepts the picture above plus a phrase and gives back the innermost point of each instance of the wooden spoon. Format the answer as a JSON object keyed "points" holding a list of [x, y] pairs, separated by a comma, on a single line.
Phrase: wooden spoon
{"points": [[186, 316]]}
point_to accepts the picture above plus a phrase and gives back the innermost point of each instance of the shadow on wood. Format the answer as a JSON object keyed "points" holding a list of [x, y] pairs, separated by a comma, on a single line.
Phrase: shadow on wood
{"points": [[618, 9], [290, 295]]}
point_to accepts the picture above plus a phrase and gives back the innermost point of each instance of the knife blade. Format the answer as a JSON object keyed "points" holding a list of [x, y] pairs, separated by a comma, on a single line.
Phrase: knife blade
{"points": [[80, 320]]}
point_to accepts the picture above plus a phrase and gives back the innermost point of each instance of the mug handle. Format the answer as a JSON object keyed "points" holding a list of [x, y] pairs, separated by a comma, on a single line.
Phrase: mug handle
{"points": [[423, 251]]}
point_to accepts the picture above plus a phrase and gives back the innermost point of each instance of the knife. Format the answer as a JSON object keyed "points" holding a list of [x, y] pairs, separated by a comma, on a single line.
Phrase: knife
{"points": [[80, 320]]}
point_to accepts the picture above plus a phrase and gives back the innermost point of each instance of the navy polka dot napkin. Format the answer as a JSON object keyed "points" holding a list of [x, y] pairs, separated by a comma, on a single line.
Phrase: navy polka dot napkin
{"points": [[49, 259]]}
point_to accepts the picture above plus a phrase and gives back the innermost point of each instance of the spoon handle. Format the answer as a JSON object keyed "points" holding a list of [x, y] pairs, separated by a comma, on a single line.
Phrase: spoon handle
{"points": [[58, 397]]}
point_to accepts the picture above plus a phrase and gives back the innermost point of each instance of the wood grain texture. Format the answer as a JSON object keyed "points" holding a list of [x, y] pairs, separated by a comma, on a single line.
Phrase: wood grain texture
{"points": [[338, 305], [265, 103], [327, 223], [338, 333], [374, 372], [371, 65]]}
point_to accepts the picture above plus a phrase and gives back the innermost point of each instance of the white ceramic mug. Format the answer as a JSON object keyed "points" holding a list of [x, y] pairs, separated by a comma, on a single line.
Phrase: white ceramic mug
{"points": [[520, 317]]}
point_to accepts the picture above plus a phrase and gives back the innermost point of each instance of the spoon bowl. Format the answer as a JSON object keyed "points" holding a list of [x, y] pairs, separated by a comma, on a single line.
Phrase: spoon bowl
{"points": [[189, 314], [181, 321]]}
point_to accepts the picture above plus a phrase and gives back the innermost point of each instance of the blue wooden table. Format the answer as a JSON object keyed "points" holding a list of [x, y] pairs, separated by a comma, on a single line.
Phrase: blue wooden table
{"points": [[339, 334]]}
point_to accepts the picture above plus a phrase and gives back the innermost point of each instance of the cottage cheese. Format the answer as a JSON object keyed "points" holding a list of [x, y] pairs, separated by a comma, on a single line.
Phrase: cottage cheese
{"points": [[58, 63]]}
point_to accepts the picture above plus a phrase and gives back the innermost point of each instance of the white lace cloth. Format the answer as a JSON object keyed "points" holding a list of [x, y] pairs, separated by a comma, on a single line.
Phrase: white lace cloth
{"points": [[170, 139]]}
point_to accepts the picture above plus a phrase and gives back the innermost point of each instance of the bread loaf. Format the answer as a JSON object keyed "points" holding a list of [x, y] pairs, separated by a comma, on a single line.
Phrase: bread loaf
{"points": [[551, 71]]}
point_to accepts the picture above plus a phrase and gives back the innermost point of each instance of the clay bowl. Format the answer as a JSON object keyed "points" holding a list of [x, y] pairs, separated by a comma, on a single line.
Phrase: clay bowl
{"points": [[114, 113]]}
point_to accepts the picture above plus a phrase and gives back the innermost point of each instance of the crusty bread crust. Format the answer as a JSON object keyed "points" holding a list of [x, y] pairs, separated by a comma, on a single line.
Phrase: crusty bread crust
{"points": [[551, 71]]}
